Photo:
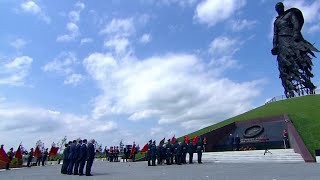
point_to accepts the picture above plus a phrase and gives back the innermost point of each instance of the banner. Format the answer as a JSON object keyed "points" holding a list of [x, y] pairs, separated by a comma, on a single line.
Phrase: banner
{"points": [[3, 155]]}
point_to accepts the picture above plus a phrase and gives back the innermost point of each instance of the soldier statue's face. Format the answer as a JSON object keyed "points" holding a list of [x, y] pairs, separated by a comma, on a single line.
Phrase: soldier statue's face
{"points": [[279, 8]]}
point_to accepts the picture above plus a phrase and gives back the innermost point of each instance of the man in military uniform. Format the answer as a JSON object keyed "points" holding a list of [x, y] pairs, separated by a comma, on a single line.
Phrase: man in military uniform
{"points": [[190, 151], [10, 156], [168, 152], [77, 158], [199, 150], [82, 156], [174, 154], [153, 153], [30, 157], [184, 152], [44, 156], [179, 154], [159, 153], [149, 152]]}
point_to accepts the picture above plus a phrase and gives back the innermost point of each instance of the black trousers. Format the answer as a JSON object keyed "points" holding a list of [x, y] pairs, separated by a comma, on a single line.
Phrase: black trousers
{"points": [[88, 166], [153, 159], [81, 167], [8, 166], [38, 161], [29, 161], [76, 167], [70, 166], [199, 157], [44, 160], [190, 157], [64, 167]]}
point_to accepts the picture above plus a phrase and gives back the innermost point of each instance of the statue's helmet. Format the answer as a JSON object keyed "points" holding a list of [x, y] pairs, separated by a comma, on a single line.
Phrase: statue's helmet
{"points": [[279, 7]]}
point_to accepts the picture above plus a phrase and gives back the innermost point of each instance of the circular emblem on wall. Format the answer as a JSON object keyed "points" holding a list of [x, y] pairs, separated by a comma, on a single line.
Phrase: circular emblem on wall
{"points": [[253, 131]]}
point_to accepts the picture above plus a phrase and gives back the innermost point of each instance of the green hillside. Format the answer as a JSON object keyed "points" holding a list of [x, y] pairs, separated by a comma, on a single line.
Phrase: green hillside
{"points": [[303, 111]]}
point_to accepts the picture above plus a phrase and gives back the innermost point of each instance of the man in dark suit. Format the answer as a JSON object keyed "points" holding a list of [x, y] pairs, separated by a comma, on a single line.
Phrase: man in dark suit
{"points": [[237, 141], [64, 167], [71, 157], [76, 157], [82, 156], [91, 154]]}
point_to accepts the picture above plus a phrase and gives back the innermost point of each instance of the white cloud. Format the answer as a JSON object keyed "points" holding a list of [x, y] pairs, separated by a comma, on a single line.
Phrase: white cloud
{"points": [[118, 32], [65, 65], [212, 12], [119, 27], [62, 64], [16, 71], [181, 3], [35, 123], [30, 6], [73, 79], [18, 43], [145, 38], [223, 45], [72, 27], [86, 40], [119, 45], [238, 25], [171, 89]]}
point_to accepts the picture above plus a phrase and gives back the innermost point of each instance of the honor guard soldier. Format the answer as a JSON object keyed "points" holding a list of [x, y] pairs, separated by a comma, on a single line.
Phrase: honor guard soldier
{"points": [[10, 156], [184, 152], [153, 153], [44, 156], [199, 150], [30, 157], [149, 152], [168, 152], [190, 151]]}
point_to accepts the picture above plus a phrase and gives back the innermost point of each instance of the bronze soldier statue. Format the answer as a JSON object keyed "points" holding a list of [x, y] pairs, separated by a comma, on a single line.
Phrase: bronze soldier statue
{"points": [[292, 50]]}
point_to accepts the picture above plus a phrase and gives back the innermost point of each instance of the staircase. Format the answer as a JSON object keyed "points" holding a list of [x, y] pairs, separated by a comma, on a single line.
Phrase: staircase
{"points": [[254, 156]]}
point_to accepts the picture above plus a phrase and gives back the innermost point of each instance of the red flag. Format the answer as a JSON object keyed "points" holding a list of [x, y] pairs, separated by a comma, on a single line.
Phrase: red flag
{"points": [[53, 151], [3, 155], [144, 149], [37, 152], [133, 150], [173, 139], [195, 140], [18, 154], [162, 141], [186, 139]]}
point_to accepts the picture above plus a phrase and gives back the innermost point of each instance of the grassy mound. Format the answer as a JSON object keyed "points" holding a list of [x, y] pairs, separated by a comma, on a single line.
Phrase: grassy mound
{"points": [[303, 111]]}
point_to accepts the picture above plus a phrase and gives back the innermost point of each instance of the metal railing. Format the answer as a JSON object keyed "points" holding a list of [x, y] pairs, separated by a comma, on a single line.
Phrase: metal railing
{"points": [[283, 97]]}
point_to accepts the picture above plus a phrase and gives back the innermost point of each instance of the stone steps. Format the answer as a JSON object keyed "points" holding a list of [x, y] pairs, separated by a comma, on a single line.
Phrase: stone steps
{"points": [[253, 156]]}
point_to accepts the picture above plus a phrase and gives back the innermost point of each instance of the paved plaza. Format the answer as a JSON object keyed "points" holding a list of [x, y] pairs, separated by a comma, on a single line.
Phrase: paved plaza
{"points": [[206, 171]]}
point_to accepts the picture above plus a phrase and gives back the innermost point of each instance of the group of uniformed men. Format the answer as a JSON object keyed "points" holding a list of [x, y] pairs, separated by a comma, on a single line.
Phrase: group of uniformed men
{"points": [[112, 154], [76, 155], [41, 157], [173, 153]]}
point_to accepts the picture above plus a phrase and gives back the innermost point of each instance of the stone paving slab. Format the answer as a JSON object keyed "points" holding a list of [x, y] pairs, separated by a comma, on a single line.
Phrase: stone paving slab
{"points": [[206, 171]]}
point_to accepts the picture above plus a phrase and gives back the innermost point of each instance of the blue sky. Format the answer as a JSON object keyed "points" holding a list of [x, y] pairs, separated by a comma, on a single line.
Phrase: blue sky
{"points": [[135, 70]]}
